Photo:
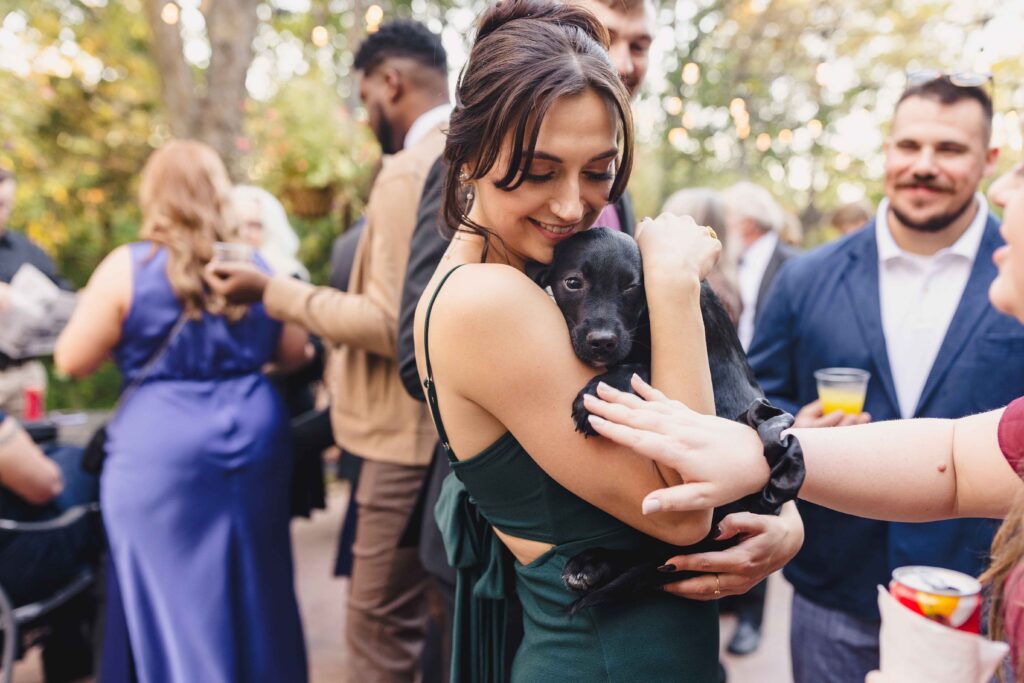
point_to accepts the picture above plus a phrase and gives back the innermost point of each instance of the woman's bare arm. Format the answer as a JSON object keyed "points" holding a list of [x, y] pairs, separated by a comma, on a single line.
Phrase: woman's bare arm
{"points": [[524, 376], [901, 470], [95, 326], [24, 469], [910, 470], [679, 355]]}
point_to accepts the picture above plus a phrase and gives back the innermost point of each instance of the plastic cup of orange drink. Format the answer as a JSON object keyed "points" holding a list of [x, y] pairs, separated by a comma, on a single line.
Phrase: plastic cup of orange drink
{"points": [[842, 389]]}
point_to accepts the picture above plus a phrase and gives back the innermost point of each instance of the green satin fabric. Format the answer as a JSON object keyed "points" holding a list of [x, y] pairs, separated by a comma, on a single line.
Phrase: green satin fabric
{"points": [[483, 583]]}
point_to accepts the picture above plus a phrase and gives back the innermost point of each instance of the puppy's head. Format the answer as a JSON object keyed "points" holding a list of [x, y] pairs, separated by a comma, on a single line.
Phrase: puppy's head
{"points": [[596, 278]]}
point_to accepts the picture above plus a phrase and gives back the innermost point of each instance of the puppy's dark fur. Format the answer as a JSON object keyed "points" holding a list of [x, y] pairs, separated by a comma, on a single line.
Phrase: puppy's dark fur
{"points": [[596, 278]]}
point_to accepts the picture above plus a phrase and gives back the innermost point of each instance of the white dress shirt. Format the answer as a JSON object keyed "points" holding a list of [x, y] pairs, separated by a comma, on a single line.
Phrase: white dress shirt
{"points": [[426, 122], [750, 271], [918, 297]]}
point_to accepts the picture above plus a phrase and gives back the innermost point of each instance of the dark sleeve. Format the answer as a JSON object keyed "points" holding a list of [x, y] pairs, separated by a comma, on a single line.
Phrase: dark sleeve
{"points": [[343, 255], [425, 253], [627, 219], [1011, 434], [771, 351], [38, 258]]}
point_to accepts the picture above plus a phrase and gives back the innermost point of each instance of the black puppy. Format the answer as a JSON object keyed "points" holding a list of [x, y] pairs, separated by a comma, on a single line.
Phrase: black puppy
{"points": [[596, 279]]}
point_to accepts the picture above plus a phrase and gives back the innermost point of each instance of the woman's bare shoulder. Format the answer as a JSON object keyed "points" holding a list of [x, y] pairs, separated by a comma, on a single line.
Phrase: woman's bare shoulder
{"points": [[488, 294]]}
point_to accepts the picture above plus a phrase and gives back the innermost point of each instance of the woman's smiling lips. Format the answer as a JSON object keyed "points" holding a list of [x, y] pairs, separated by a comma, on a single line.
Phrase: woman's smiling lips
{"points": [[555, 233]]}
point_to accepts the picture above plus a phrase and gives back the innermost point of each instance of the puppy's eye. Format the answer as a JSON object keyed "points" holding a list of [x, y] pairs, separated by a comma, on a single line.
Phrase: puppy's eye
{"points": [[573, 282]]}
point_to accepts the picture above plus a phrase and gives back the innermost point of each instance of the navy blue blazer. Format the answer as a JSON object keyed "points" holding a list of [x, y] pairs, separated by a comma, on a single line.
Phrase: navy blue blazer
{"points": [[823, 311]]}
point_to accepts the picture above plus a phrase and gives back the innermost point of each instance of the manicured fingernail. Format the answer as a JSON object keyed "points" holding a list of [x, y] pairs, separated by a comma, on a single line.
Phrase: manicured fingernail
{"points": [[651, 505], [667, 568], [589, 398], [637, 378], [606, 387], [595, 420]]}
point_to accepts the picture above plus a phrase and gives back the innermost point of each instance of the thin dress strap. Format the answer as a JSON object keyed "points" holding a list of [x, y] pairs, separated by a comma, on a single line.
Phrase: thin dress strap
{"points": [[428, 383]]}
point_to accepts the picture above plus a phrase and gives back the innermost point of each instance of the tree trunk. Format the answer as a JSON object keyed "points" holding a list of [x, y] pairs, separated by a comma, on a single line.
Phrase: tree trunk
{"points": [[216, 116], [231, 26], [177, 89]]}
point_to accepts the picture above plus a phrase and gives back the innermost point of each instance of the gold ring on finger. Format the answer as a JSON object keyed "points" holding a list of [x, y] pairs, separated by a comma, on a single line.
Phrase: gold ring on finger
{"points": [[712, 233], [718, 582]]}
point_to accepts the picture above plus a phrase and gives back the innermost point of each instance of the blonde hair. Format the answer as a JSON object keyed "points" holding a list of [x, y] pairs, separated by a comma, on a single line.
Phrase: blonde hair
{"points": [[185, 197], [1007, 553]]}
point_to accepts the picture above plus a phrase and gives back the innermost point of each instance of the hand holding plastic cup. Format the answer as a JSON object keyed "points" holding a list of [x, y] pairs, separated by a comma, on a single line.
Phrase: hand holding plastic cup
{"points": [[231, 252], [842, 389]]}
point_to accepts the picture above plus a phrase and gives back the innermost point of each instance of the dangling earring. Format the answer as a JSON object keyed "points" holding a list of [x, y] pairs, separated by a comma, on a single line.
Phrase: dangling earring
{"points": [[464, 179]]}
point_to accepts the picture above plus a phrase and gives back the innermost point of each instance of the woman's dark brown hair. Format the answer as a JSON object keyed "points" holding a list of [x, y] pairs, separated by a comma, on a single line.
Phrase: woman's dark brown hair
{"points": [[527, 55]]}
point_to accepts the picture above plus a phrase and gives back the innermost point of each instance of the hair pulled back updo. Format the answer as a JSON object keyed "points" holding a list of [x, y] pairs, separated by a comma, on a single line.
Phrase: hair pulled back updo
{"points": [[527, 55]]}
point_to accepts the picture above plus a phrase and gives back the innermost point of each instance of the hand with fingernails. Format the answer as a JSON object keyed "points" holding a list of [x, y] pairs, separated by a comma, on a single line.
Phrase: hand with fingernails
{"points": [[690, 442], [678, 244]]}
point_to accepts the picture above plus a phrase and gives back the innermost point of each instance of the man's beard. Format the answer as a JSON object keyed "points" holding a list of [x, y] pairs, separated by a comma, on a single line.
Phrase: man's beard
{"points": [[385, 134], [936, 223]]}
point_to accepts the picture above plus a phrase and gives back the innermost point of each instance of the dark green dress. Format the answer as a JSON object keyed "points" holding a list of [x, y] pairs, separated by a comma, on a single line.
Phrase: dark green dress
{"points": [[658, 637]]}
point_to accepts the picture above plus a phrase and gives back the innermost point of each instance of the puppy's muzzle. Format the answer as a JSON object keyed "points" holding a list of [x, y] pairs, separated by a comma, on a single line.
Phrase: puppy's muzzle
{"points": [[600, 346]]}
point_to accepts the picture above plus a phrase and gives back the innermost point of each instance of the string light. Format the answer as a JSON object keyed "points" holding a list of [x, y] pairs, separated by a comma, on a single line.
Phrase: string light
{"points": [[737, 107], [677, 137], [374, 15], [674, 106], [763, 142], [785, 136], [691, 73], [170, 14], [815, 127], [319, 36]]}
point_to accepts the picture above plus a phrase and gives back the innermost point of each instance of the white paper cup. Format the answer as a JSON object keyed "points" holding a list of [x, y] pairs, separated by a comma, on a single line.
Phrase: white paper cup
{"points": [[231, 252]]}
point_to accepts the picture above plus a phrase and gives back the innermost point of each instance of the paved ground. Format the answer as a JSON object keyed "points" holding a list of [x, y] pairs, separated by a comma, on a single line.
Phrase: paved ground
{"points": [[322, 599]]}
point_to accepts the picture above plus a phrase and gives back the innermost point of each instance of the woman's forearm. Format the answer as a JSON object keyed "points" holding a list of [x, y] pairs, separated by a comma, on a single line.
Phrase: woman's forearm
{"points": [[909, 470], [679, 355]]}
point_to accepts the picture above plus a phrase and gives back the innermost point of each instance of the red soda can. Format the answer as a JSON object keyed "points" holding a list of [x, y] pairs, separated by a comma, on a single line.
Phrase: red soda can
{"points": [[943, 595], [34, 400]]}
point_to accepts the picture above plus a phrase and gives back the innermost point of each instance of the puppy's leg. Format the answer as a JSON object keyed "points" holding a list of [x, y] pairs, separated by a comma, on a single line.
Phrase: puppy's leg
{"points": [[618, 377]]}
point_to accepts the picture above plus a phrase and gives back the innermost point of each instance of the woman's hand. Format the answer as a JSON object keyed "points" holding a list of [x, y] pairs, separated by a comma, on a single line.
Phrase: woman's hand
{"points": [[677, 245], [720, 460], [768, 543]]}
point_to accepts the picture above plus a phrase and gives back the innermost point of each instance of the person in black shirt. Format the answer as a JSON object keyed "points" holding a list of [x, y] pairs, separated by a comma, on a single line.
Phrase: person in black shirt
{"points": [[16, 250]]}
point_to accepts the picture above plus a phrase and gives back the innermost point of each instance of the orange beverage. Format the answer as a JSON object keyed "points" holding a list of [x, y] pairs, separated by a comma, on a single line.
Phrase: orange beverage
{"points": [[849, 401], [842, 389]]}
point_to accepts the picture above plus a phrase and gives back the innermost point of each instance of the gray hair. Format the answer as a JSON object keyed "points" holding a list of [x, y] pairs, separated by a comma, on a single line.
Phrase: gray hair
{"points": [[753, 202], [280, 247]]}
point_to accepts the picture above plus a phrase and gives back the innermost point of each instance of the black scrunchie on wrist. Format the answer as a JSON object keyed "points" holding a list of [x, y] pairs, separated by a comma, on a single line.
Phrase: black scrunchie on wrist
{"points": [[784, 455]]}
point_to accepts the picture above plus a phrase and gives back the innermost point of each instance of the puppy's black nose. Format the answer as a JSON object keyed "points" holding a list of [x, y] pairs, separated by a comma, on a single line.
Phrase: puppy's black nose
{"points": [[602, 341]]}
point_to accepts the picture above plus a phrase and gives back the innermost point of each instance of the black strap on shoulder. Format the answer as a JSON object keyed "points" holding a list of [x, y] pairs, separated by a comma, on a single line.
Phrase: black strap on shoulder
{"points": [[428, 383]]}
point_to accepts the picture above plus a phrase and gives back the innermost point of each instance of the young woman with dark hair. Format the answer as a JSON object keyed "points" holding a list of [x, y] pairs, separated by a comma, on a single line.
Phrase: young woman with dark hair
{"points": [[540, 141]]}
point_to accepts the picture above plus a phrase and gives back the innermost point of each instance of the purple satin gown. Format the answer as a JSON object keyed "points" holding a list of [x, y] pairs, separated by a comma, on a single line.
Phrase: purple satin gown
{"points": [[194, 494]]}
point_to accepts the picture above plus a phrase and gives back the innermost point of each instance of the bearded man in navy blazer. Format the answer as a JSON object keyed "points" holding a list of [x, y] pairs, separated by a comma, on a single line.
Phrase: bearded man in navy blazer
{"points": [[906, 299]]}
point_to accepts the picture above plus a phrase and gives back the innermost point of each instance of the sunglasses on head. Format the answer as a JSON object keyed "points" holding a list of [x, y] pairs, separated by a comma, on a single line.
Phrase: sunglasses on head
{"points": [[961, 79]]}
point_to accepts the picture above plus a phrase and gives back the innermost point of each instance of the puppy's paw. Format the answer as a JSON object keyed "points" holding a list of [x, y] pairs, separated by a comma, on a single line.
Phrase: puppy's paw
{"points": [[589, 570], [619, 377], [580, 413]]}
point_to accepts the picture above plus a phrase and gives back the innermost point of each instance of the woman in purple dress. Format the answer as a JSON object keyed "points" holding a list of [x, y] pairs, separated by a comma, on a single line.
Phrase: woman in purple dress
{"points": [[194, 489]]}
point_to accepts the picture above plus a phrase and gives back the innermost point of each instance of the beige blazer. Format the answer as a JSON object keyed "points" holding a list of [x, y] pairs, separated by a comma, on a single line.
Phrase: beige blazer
{"points": [[371, 413]]}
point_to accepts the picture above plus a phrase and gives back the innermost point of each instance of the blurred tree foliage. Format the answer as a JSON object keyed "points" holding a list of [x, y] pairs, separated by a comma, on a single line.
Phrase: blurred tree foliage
{"points": [[796, 94], [789, 93]]}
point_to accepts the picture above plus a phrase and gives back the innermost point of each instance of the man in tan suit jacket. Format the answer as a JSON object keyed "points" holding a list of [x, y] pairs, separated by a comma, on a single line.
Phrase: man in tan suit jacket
{"points": [[404, 87]]}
